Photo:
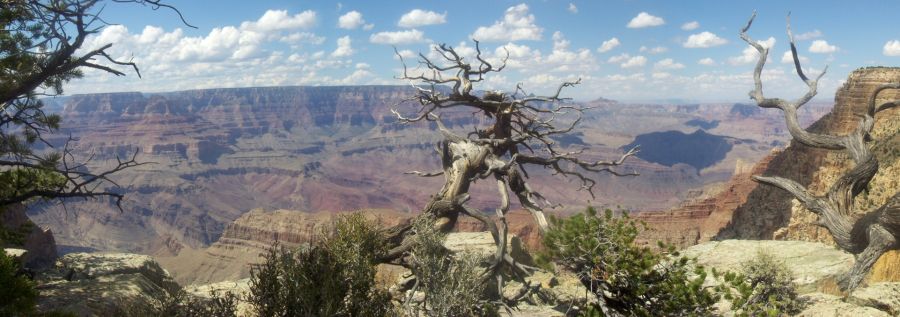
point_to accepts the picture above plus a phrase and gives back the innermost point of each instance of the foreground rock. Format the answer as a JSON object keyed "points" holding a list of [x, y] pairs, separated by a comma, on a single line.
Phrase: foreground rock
{"points": [[816, 268], [93, 284]]}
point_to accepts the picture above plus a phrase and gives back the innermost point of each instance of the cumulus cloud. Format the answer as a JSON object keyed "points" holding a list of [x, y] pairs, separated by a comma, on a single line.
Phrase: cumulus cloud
{"points": [[668, 63], [787, 58], [704, 39], [636, 61], [398, 37], [237, 55], [660, 75], [891, 48], [822, 47], [618, 58], [608, 45], [808, 35], [750, 54], [351, 20], [302, 37], [344, 48], [573, 8], [517, 24], [644, 19], [418, 17], [277, 20], [654, 50], [706, 61], [690, 26]]}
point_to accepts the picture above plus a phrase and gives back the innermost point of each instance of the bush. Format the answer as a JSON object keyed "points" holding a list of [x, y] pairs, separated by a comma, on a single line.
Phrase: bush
{"points": [[176, 302], [17, 294], [629, 279], [764, 287], [333, 276], [452, 283]]}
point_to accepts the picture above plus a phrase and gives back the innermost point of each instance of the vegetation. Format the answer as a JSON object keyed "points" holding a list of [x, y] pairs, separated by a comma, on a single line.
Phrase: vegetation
{"points": [[452, 283], [176, 302], [17, 293], [333, 276], [764, 287], [624, 277]]}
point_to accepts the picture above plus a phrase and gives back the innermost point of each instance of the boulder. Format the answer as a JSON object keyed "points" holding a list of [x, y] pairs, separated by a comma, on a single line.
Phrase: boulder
{"points": [[240, 288], [883, 296], [819, 304], [93, 284], [816, 266]]}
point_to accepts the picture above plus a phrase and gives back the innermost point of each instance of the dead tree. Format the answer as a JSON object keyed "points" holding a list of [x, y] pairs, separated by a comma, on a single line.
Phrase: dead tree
{"points": [[869, 236], [519, 135]]}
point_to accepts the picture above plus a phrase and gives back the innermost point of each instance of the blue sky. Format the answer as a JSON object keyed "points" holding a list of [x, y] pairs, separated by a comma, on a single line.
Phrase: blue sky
{"points": [[628, 50]]}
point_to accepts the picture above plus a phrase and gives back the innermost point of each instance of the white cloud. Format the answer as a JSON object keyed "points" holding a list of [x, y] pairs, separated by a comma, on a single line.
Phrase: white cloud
{"points": [[277, 20], [368, 27], [808, 35], [644, 19], [660, 75], [302, 37], [822, 47], [417, 17], [891, 48], [750, 54], [618, 58], [351, 20], [398, 37], [693, 25], [654, 50], [706, 62], [668, 63], [406, 54], [573, 8], [344, 48], [636, 61], [787, 58], [608, 45], [517, 24], [704, 40]]}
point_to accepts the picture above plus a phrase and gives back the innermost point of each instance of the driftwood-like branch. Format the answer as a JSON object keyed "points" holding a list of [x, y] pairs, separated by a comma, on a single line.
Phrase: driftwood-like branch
{"points": [[519, 135], [867, 237]]}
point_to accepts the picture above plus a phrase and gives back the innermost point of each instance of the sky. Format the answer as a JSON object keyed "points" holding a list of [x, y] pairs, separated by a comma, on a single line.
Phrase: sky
{"points": [[627, 50]]}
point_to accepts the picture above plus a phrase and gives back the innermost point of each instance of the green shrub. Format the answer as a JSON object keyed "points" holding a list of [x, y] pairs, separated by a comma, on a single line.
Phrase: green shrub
{"points": [[17, 293], [629, 279], [333, 276], [764, 287], [176, 302], [452, 283]]}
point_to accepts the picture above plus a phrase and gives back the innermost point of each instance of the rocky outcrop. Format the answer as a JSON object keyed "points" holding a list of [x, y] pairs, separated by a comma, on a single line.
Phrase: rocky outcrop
{"points": [[701, 219], [815, 267], [772, 213], [92, 284], [38, 243]]}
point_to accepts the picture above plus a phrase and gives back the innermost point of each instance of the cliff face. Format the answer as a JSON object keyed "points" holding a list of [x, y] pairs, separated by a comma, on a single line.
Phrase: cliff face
{"points": [[770, 213], [38, 243], [221, 152]]}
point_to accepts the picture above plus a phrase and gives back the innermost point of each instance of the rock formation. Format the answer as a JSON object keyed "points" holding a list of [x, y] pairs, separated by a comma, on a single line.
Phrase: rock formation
{"points": [[91, 284], [771, 213], [221, 152], [816, 267], [37, 243]]}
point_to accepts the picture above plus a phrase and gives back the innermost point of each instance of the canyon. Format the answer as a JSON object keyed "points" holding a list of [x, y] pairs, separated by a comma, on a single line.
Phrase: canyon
{"points": [[217, 154]]}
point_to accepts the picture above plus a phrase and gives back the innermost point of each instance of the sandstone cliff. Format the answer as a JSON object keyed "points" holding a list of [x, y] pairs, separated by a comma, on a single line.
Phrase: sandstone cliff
{"points": [[776, 215]]}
